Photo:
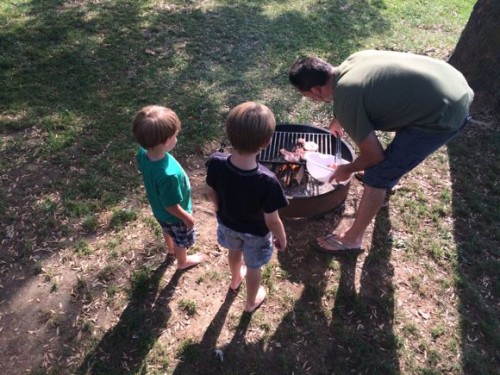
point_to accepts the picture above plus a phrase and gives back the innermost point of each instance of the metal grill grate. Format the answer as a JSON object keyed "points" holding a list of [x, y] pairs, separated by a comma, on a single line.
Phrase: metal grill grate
{"points": [[287, 140]]}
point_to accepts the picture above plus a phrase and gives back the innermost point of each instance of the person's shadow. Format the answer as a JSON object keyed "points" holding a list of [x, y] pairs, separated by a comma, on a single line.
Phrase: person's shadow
{"points": [[207, 347], [358, 338], [128, 343], [245, 353], [363, 339]]}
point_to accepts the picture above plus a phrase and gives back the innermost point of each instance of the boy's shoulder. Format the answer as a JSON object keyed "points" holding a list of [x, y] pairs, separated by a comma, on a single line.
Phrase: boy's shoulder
{"points": [[217, 157], [266, 171], [220, 160]]}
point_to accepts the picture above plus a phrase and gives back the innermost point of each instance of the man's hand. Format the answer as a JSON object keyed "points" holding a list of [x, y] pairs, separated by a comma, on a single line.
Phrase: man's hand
{"points": [[370, 154], [335, 128], [341, 174]]}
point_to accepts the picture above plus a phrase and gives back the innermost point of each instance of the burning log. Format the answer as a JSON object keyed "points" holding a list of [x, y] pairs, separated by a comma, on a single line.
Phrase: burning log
{"points": [[299, 174], [284, 174], [292, 171], [289, 174]]}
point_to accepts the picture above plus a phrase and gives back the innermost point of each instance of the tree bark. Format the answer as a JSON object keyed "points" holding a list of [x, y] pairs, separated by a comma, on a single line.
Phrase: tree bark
{"points": [[477, 56]]}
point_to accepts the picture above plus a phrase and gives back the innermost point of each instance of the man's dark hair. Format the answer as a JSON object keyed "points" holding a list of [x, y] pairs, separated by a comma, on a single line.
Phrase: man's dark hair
{"points": [[309, 72]]}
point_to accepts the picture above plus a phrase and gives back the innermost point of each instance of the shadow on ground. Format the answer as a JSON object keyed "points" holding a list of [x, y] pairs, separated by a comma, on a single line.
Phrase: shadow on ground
{"points": [[127, 344], [355, 336], [476, 211]]}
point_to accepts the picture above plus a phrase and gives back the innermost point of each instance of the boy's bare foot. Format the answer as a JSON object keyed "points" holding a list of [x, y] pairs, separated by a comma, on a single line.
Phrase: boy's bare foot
{"points": [[236, 283], [259, 299], [191, 261]]}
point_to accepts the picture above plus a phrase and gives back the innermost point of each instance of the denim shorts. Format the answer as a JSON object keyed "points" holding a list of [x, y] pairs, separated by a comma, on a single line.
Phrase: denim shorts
{"points": [[408, 149], [181, 235], [257, 250]]}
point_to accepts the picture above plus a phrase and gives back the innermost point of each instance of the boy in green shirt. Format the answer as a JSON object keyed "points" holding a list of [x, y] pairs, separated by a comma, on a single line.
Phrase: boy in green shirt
{"points": [[167, 185]]}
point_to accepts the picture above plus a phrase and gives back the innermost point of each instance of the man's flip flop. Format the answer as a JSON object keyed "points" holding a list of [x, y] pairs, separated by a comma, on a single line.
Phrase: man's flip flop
{"points": [[342, 251]]}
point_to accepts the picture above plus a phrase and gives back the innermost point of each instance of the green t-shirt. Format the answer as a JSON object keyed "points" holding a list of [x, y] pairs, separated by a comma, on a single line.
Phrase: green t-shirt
{"points": [[383, 90], [166, 183]]}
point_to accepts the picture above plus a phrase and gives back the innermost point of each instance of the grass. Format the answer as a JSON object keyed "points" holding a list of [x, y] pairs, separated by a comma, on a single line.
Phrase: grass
{"points": [[188, 306], [83, 248], [73, 74], [121, 217], [140, 282]]}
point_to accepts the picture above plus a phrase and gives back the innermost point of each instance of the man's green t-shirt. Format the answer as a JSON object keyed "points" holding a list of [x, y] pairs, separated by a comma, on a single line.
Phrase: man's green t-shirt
{"points": [[166, 185], [384, 90]]}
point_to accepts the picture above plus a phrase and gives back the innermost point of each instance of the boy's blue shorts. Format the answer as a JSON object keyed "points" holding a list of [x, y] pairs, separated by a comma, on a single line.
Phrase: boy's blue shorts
{"points": [[408, 149], [181, 235], [257, 250]]}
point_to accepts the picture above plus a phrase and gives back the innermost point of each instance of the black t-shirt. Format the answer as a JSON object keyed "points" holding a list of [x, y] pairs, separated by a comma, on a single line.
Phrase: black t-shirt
{"points": [[244, 196]]}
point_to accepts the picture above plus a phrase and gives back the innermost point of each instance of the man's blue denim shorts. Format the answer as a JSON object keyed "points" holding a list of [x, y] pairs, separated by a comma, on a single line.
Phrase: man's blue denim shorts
{"points": [[181, 235], [408, 149], [257, 250]]}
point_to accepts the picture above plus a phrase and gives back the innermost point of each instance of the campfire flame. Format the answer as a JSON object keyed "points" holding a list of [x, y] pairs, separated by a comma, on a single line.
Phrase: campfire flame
{"points": [[289, 173]]}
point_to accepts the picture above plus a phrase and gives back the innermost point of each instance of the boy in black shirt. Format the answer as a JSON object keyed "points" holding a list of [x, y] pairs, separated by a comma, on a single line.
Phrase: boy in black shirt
{"points": [[246, 198]]}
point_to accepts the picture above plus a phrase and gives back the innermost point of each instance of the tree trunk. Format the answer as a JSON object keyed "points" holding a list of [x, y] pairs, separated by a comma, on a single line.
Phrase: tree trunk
{"points": [[477, 56]]}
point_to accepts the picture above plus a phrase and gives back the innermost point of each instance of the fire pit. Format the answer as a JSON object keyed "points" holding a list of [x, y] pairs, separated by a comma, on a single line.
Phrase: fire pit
{"points": [[307, 196]]}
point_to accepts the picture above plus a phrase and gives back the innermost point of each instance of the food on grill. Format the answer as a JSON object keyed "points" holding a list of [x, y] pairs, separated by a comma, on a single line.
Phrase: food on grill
{"points": [[292, 156], [299, 151], [307, 145]]}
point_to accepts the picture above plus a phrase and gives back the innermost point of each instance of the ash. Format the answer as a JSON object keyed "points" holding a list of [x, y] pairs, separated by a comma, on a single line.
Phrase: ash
{"points": [[308, 186], [311, 188]]}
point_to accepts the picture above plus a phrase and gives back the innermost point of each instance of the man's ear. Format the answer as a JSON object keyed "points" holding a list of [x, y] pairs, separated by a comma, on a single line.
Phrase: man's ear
{"points": [[316, 90]]}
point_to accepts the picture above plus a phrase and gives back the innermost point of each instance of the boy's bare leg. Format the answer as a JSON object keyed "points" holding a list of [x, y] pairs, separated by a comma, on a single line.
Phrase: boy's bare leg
{"points": [[255, 292], [170, 245], [238, 270], [186, 261]]}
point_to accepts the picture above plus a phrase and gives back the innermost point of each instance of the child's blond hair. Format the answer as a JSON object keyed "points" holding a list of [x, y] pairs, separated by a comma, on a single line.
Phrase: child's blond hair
{"points": [[154, 124], [249, 126]]}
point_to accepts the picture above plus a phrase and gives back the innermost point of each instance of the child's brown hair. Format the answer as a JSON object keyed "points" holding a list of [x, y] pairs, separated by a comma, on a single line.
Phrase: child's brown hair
{"points": [[249, 126], [154, 124]]}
